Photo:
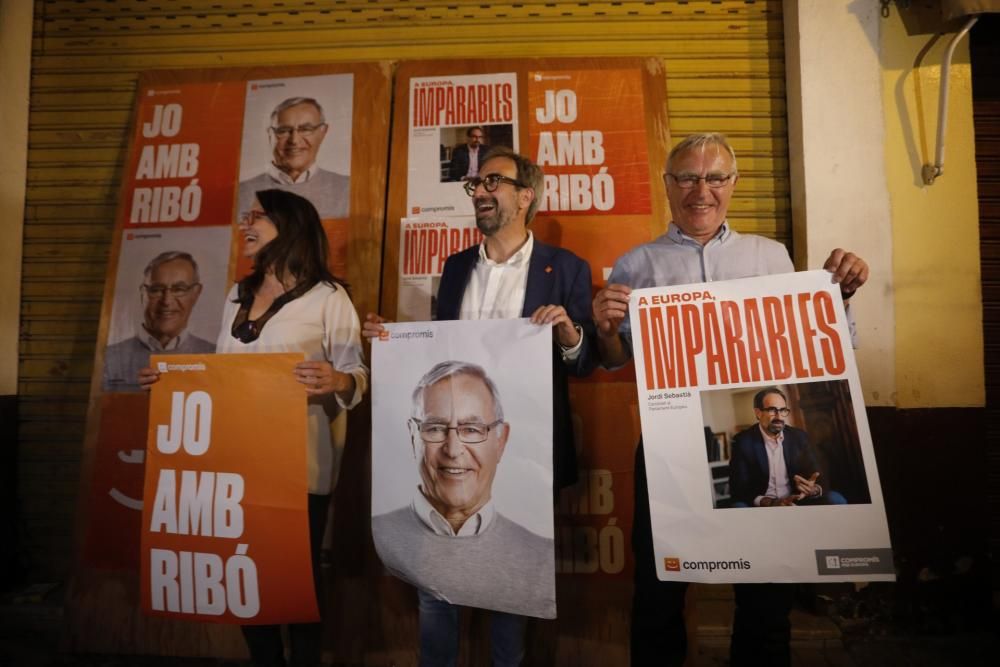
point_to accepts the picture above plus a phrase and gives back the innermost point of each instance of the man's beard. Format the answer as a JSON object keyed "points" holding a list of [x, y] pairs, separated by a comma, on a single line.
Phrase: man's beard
{"points": [[492, 222], [775, 428]]}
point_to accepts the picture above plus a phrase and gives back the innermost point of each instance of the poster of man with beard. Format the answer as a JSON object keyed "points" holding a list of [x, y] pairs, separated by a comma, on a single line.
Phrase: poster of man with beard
{"points": [[440, 220]]}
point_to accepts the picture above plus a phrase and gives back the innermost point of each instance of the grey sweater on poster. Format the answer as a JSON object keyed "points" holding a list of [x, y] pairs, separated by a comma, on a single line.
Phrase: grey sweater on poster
{"points": [[328, 191], [122, 360], [506, 567]]}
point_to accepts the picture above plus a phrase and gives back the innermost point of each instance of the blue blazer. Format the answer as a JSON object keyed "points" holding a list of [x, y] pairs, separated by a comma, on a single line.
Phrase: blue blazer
{"points": [[459, 165], [555, 276], [748, 469]]}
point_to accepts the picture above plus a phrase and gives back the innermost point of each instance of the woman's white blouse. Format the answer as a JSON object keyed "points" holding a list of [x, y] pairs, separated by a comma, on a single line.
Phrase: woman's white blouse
{"points": [[323, 325]]}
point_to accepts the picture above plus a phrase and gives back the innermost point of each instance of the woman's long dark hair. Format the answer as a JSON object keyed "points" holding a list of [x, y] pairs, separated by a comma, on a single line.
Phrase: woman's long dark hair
{"points": [[300, 250]]}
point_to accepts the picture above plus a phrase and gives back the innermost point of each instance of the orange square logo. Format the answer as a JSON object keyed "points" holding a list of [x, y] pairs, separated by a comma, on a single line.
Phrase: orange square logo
{"points": [[383, 335], [416, 210], [672, 564]]}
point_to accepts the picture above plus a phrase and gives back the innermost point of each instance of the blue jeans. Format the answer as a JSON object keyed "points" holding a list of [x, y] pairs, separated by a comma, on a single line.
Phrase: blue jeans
{"points": [[439, 634]]}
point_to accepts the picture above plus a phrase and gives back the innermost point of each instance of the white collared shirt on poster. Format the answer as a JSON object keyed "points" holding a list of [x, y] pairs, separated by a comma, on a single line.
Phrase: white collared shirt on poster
{"points": [[473, 162], [281, 177], [154, 345], [433, 519], [777, 478]]}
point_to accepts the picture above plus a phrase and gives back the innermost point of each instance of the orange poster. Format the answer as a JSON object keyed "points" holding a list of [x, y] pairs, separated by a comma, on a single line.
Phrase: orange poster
{"points": [[185, 146], [225, 535], [587, 131], [594, 517], [112, 540]]}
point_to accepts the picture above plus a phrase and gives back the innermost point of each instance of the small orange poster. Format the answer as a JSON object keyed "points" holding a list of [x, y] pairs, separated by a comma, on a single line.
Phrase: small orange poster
{"points": [[185, 146], [587, 131], [225, 534]]}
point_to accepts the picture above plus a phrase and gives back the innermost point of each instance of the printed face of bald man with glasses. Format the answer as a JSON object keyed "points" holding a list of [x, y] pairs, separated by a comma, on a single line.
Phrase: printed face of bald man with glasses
{"points": [[458, 436], [297, 132]]}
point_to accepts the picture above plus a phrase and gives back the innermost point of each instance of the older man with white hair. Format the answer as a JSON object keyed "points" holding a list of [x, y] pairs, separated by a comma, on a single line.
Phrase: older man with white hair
{"points": [[698, 246], [296, 133]]}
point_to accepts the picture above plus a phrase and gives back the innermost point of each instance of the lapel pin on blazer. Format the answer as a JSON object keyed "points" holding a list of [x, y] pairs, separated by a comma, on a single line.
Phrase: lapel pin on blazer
{"points": [[548, 269]]}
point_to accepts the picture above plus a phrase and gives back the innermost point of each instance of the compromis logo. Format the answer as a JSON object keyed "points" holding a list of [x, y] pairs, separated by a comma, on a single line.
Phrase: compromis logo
{"points": [[674, 564], [436, 209], [164, 367], [406, 335]]}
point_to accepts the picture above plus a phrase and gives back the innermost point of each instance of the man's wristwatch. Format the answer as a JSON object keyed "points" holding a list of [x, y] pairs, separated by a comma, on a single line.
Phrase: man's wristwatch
{"points": [[579, 330]]}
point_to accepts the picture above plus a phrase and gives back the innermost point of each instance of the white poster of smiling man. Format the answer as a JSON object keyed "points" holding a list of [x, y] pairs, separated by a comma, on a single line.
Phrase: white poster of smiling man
{"points": [[169, 292], [297, 137], [462, 462]]}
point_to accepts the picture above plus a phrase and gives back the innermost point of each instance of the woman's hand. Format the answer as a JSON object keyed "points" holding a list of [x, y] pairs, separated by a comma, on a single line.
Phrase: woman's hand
{"points": [[148, 377], [372, 326], [320, 377]]}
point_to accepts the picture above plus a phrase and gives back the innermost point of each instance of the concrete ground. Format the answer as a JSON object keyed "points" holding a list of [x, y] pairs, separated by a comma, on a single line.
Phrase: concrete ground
{"points": [[30, 632], [965, 650]]}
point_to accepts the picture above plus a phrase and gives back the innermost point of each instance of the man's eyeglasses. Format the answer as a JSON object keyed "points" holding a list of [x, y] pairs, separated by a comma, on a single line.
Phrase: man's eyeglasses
{"points": [[306, 130], [159, 290], [435, 433], [490, 183], [688, 181], [774, 412]]}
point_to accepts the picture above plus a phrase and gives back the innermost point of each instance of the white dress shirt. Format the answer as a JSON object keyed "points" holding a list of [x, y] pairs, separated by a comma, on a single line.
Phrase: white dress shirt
{"points": [[496, 289]]}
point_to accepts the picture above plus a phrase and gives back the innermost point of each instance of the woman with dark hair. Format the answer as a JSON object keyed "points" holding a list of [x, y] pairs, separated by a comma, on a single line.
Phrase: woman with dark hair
{"points": [[291, 302]]}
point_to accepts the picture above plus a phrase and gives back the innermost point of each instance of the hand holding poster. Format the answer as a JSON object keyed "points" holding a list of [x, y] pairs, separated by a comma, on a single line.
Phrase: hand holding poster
{"points": [[462, 461], [758, 453], [225, 534]]}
